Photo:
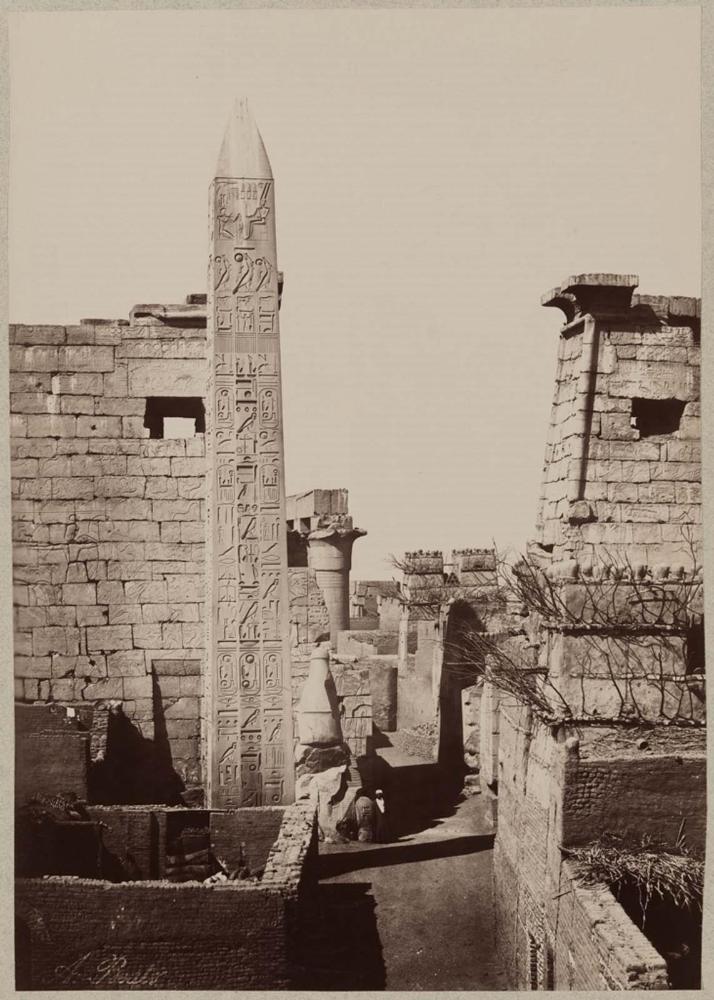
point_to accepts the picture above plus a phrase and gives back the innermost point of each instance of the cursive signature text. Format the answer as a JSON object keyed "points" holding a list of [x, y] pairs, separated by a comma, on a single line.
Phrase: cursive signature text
{"points": [[110, 971]]}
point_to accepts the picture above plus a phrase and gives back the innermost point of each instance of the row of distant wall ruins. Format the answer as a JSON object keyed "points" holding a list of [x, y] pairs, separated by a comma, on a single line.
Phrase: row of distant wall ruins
{"points": [[605, 621]]}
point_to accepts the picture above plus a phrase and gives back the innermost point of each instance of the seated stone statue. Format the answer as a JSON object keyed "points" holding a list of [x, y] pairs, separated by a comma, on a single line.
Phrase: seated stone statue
{"points": [[358, 821], [364, 815]]}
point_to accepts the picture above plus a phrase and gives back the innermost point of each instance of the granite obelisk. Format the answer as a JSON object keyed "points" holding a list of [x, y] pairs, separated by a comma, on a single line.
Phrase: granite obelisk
{"points": [[248, 725]]}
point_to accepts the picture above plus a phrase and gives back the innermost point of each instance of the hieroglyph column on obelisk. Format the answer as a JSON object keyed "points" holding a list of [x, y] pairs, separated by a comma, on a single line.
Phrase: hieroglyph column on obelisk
{"points": [[248, 724]]}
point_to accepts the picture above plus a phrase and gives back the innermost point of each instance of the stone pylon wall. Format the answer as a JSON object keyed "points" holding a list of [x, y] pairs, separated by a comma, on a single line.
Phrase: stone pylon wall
{"points": [[622, 471]]}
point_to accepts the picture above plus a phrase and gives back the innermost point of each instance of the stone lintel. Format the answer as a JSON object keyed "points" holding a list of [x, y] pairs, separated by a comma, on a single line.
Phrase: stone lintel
{"points": [[170, 313], [103, 322], [608, 295], [314, 502], [593, 294]]}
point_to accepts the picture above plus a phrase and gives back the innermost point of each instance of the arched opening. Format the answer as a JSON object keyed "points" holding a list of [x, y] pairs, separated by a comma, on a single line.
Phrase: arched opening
{"points": [[459, 671]]}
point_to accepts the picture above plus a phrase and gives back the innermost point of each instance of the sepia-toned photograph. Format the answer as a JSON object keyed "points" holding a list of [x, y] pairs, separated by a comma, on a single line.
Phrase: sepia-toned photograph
{"points": [[354, 410]]}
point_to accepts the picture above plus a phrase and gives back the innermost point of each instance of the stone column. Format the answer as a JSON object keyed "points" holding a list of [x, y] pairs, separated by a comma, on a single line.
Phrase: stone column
{"points": [[249, 713], [330, 556]]}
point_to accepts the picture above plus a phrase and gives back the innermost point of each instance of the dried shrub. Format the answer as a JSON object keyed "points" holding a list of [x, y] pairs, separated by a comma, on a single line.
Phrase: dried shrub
{"points": [[673, 876], [630, 624]]}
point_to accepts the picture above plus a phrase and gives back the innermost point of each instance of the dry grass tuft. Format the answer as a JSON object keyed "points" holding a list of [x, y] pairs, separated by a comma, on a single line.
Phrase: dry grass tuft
{"points": [[673, 876]]}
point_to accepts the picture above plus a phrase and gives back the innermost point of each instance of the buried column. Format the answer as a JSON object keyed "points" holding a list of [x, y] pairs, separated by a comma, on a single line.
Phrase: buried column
{"points": [[249, 727], [322, 757]]}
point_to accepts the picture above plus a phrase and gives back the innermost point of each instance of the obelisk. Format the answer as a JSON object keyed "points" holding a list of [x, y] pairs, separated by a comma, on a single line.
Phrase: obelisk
{"points": [[249, 716]]}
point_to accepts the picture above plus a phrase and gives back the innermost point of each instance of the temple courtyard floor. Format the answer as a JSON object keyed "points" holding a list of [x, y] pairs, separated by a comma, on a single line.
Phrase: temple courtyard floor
{"points": [[416, 913]]}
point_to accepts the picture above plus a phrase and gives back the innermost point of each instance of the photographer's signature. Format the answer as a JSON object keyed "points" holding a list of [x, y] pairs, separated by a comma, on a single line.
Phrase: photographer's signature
{"points": [[110, 971]]}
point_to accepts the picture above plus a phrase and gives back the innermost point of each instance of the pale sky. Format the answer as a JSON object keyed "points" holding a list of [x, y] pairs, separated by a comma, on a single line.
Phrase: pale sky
{"points": [[436, 173]]}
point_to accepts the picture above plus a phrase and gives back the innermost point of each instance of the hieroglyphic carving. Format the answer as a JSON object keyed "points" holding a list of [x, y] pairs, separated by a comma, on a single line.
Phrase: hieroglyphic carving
{"points": [[269, 416], [240, 208], [221, 272], [272, 671], [270, 481], [224, 314], [227, 673], [226, 622], [249, 679], [255, 364], [270, 624], [250, 737], [273, 791]]}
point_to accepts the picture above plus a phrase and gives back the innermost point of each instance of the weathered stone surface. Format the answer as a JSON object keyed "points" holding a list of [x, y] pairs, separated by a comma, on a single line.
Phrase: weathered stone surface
{"points": [[85, 359], [33, 359], [33, 335], [332, 797], [165, 378], [652, 380], [312, 760], [109, 638], [51, 425], [101, 427]]}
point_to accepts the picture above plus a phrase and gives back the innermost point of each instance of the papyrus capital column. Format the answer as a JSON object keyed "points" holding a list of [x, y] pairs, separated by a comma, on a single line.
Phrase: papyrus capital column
{"points": [[330, 556]]}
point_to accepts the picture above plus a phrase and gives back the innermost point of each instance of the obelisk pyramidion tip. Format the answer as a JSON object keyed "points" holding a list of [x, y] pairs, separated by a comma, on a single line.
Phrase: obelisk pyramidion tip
{"points": [[242, 151]]}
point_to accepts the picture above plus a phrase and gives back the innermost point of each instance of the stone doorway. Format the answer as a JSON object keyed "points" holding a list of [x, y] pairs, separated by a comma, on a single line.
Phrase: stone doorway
{"points": [[458, 674]]}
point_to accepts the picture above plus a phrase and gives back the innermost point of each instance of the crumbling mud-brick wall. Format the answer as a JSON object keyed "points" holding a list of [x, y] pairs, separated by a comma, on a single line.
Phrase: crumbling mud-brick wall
{"points": [[558, 789], [158, 947], [135, 843], [256, 828], [636, 783], [597, 946], [623, 458], [52, 755], [80, 933]]}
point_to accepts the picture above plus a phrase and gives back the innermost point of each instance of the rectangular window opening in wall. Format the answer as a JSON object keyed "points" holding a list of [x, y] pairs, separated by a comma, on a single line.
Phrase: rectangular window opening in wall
{"points": [[656, 416], [175, 416]]}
